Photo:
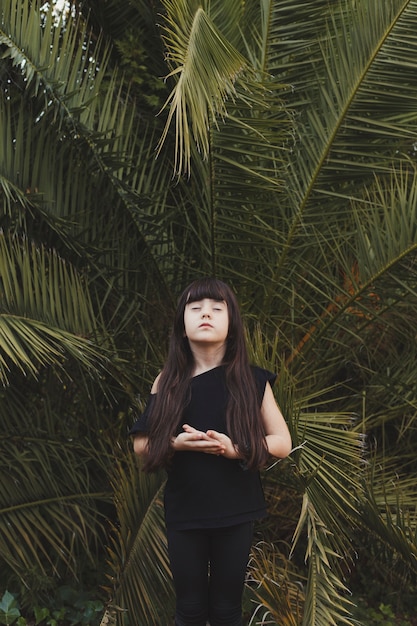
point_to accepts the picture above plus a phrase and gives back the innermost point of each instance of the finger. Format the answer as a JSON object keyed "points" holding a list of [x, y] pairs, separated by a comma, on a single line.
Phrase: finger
{"points": [[195, 434], [208, 446], [213, 451], [188, 429], [213, 434], [198, 436]]}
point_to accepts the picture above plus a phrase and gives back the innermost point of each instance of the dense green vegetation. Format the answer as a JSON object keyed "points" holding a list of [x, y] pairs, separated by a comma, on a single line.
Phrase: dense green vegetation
{"points": [[144, 143]]}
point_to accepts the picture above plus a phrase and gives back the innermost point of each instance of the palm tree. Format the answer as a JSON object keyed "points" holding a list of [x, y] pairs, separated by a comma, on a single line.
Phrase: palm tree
{"points": [[70, 197], [286, 165]]}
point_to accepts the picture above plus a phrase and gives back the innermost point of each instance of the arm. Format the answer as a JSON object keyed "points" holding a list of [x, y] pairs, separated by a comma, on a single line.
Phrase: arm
{"points": [[278, 436], [193, 440], [140, 445], [189, 439], [140, 441]]}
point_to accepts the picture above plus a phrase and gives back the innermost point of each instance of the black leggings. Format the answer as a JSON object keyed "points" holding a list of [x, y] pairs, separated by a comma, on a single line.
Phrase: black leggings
{"points": [[209, 568]]}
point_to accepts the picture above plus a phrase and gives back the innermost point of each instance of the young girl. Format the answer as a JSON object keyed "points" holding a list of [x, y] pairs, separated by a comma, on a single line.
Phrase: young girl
{"points": [[212, 422]]}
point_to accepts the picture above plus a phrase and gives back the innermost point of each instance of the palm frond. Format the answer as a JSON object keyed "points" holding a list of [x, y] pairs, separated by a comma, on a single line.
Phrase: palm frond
{"points": [[31, 48], [89, 127], [206, 67], [46, 311], [386, 222], [75, 126], [137, 544], [326, 597], [342, 63], [327, 467], [329, 461], [47, 507], [276, 586]]}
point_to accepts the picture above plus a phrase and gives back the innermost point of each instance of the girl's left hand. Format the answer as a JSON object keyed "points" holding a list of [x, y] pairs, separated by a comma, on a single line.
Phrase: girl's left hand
{"points": [[228, 450]]}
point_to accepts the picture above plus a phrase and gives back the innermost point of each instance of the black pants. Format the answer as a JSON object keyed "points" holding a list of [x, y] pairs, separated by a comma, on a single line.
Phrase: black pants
{"points": [[209, 568]]}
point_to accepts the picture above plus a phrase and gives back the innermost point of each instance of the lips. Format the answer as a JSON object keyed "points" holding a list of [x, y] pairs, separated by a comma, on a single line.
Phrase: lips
{"points": [[205, 325]]}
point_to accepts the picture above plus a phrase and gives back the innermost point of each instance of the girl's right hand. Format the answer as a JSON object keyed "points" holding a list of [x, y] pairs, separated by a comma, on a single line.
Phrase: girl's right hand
{"points": [[197, 441]]}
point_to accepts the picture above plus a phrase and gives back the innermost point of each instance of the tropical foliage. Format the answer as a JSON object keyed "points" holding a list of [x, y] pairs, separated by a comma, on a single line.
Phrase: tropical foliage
{"points": [[144, 144]]}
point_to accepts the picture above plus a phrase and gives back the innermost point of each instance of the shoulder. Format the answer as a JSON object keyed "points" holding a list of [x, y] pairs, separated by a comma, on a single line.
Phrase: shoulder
{"points": [[155, 384], [263, 376]]}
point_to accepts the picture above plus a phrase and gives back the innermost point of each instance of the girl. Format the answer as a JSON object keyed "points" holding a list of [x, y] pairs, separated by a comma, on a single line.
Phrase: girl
{"points": [[212, 422]]}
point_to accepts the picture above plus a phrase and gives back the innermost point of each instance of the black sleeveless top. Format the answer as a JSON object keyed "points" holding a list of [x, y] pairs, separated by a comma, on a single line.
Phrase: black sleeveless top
{"points": [[205, 490]]}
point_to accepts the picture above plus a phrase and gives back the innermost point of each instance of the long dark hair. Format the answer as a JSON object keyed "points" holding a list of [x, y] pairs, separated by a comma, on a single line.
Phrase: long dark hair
{"points": [[243, 420]]}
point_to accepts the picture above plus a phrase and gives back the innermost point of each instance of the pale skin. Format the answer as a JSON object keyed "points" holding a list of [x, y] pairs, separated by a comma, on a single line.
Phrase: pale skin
{"points": [[206, 325]]}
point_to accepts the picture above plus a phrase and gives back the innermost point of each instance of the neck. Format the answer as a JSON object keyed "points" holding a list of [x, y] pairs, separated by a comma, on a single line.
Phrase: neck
{"points": [[207, 357]]}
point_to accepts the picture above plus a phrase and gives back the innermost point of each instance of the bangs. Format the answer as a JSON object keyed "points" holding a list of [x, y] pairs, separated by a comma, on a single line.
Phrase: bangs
{"points": [[210, 288]]}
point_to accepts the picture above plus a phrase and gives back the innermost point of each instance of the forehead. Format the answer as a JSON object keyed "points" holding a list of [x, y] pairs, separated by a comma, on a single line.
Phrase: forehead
{"points": [[207, 289]]}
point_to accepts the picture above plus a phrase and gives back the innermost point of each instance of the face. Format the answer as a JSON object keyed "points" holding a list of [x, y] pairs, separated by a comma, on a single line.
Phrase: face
{"points": [[206, 321]]}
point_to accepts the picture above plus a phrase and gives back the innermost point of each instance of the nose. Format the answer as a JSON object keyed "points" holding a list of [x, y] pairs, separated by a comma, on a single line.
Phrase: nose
{"points": [[205, 312]]}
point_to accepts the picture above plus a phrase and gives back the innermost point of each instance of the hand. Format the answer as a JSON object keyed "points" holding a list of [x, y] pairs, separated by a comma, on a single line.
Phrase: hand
{"points": [[198, 441], [229, 449], [214, 442]]}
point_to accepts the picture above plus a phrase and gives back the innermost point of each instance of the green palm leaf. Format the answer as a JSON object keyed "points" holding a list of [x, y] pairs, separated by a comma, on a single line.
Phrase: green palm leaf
{"points": [[207, 68], [45, 519], [46, 311], [138, 542]]}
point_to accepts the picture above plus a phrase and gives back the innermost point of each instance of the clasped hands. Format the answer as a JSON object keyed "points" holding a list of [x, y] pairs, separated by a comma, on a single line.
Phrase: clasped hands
{"points": [[209, 442]]}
